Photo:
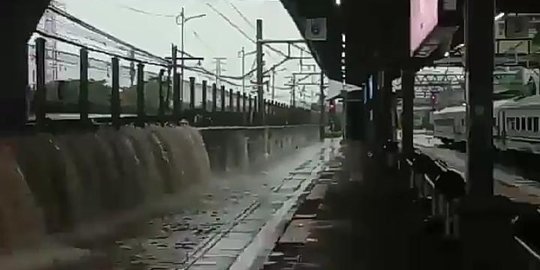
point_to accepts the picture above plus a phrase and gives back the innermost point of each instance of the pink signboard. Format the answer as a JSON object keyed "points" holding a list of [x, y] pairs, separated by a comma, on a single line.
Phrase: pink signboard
{"points": [[424, 18]]}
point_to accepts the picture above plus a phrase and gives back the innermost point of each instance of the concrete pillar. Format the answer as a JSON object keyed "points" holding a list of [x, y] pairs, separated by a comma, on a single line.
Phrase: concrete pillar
{"points": [[115, 93], [407, 118], [21, 19], [373, 148], [84, 105], [141, 110], [40, 96], [223, 98], [204, 95], [385, 89], [355, 134], [214, 97], [479, 68], [484, 219], [177, 104], [192, 93]]}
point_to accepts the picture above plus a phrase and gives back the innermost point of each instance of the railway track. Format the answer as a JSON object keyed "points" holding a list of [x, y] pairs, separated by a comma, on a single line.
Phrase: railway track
{"points": [[509, 183]]}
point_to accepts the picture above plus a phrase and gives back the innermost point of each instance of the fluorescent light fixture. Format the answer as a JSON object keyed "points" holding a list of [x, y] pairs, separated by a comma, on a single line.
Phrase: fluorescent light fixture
{"points": [[499, 16]]}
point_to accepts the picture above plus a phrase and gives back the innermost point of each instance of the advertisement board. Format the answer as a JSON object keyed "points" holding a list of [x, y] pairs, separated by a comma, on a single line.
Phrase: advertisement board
{"points": [[424, 18]]}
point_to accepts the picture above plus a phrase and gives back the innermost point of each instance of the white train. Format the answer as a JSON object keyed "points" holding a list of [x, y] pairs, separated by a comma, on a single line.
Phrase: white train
{"points": [[516, 124]]}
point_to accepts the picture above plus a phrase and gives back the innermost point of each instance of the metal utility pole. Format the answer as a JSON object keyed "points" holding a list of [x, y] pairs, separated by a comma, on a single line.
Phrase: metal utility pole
{"points": [[182, 53], [219, 69], [182, 20], [273, 83], [293, 95], [293, 89], [321, 103], [243, 56], [260, 90]]}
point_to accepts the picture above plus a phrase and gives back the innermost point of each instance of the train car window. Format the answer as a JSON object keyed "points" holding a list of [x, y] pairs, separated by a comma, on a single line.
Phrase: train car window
{"points": [[529, 123], [510, 122], [535, 124], [523, 123]]}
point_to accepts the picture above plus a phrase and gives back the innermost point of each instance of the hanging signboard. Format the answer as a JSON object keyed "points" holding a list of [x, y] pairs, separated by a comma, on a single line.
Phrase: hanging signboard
{"points": [[424, 18], [316, 29]]}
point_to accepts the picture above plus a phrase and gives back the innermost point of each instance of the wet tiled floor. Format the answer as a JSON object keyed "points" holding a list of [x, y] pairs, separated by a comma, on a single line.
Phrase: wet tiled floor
{"points": [[217, 224]]}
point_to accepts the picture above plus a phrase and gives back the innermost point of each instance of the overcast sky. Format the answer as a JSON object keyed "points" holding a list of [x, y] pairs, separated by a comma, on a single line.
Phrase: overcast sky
{"points": [[208, 37]]}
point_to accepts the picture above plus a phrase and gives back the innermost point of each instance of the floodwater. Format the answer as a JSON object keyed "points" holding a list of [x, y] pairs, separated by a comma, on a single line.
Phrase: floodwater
{"points": [[128, 199], [54, 184], [219, 213]]}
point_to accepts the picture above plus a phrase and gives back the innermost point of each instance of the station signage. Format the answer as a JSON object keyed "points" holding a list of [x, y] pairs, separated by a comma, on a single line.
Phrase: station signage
{"points": [[424, 17]]}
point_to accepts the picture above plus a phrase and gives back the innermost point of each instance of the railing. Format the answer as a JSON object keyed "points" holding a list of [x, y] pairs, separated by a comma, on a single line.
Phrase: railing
{"points": [[122, 90], [441, 189]]}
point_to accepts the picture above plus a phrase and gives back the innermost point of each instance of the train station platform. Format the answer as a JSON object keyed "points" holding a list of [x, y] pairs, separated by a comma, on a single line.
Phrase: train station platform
{"points": [[394, 222]]}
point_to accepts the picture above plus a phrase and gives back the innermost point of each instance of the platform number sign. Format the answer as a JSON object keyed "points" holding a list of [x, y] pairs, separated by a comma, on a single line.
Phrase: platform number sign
{"points": [[517, 27], [316, 29]]}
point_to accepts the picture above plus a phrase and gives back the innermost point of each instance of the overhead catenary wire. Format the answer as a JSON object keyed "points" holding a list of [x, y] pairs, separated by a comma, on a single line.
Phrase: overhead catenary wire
{"points": [[146, 12], [242, 15], [195, 69], [93, 49], [253, 26], [151, 58], [160, 61], [242, 31], [105, 34], [196, 35]]}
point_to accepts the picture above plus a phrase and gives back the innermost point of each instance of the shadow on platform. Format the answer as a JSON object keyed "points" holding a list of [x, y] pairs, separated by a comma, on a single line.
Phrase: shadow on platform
{"points": [[368, 225]]}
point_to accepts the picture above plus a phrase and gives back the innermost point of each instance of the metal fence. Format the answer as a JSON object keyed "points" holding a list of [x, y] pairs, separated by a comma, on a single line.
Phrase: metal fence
{"points": [[440, 188]]}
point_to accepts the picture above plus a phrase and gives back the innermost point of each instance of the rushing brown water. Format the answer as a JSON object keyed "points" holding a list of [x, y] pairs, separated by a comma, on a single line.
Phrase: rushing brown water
{"points": [[53, 183]]}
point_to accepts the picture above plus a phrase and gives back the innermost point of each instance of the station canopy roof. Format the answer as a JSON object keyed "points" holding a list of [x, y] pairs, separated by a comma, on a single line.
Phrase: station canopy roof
{"points": [[377, 34]]}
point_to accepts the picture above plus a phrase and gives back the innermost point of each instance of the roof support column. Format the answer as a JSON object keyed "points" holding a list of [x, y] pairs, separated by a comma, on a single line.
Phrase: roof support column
{"points": [[484, 218], [14, 97], [371, 115], [407, 117], [354, 133], [479, 68], [21, 18], [385, 107]]}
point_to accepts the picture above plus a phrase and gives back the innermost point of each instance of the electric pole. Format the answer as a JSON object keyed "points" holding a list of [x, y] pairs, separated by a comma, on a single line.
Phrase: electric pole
{"points": [[182, 20], [219, 69], [260, 90], [293, 90], [243, 56], [321, 103], [273, 83], [182, 52]]}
